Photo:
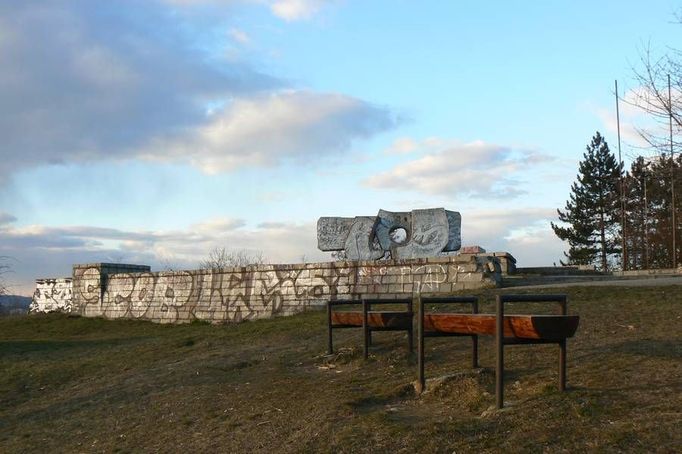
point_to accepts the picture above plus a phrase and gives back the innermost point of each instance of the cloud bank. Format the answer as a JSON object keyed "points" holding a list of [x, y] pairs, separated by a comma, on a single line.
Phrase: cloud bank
{"points": [[476, 169], [303, 126], [85, 81]]}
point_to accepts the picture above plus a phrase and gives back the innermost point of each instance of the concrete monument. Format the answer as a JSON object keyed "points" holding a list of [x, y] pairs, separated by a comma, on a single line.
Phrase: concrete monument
{"points": [[398, 235]]}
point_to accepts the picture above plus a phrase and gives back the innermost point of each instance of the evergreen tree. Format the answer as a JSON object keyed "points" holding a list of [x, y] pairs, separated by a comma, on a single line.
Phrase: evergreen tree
{"points": [[592, 213], [659, 207], [638, 185]]}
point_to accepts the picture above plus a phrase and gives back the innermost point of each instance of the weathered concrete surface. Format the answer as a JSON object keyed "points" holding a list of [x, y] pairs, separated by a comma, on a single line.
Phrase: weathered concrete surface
{"points": [[427, 233], [359, 245], [52, 295], [506, 260], [264, 291]]}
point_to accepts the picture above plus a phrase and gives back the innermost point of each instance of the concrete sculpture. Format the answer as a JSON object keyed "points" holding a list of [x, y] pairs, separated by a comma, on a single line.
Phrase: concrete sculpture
{"points": [[398, 235]]}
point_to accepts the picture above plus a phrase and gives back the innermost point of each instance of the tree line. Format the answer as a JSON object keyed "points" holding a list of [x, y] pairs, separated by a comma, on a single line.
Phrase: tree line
{"points": [[618, 219]]}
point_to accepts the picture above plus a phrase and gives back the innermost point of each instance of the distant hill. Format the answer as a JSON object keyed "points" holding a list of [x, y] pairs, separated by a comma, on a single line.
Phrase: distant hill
{"points": [[14, 304]]}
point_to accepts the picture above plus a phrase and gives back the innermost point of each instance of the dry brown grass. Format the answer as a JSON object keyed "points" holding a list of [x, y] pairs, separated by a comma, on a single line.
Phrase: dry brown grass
{"points": [[84, 385]]}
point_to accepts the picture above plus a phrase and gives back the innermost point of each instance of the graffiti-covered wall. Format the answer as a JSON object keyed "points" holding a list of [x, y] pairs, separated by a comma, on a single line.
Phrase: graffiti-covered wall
{"points": [[263, 291], [52, 295]]}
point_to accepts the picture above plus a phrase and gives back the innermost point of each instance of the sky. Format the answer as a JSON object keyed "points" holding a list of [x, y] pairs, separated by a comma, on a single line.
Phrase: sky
{"points": [[151, 132]]}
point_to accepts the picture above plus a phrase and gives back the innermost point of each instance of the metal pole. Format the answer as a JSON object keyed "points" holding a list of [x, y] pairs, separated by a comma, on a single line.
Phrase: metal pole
{"points": [[672, 174], [622, 188], [420, 344], [330, 346], [562, 365], [474, 341], [499, 344], [646, 222], [365, 330], [410, 332], [562, 350]]}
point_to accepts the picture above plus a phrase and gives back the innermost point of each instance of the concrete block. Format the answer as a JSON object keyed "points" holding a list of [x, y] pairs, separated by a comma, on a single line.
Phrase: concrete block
{"points": [[470, 277]]}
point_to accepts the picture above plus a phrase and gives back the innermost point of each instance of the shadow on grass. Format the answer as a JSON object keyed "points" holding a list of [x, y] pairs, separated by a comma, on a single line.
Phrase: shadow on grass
{"points": [[16, 347], [656, 348]]}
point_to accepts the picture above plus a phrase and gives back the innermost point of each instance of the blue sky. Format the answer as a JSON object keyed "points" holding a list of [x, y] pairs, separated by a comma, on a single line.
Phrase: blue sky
{"points": [[151, 132]]}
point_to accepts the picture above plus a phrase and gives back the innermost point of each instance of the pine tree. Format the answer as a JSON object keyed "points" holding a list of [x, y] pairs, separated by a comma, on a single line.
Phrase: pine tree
{"points": [[638, 219], [592, 213], [659, 208]]}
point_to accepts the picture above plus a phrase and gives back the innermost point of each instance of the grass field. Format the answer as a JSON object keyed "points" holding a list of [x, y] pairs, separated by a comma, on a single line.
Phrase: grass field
{"points": [[90, 385]]}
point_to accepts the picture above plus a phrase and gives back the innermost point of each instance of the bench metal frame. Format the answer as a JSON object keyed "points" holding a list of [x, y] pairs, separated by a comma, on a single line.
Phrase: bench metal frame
{"points": [[366, 329], [501, 341], [422, 300]]}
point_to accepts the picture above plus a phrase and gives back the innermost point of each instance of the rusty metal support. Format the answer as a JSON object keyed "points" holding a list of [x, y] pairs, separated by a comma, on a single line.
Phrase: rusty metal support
{"points": [[421, 335], [410, 332], [330, 344], [500, 340], [365, 329], [562, 348], [499, 345], [420, 343], [562, 365], [474, 340]]}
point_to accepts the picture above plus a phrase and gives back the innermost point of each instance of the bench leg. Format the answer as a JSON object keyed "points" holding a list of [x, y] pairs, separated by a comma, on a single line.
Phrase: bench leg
{"points": [[410, 340], [499, 376], [562, 365], [420, 346], [474, 352], [330, 346], [369, 337], [365, 330], [499, 345]]}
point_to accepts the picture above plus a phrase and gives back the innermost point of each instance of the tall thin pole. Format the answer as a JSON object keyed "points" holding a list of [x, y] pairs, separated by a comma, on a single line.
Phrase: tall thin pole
{"points": [[622, 188], [646, 222], [672, 174]]}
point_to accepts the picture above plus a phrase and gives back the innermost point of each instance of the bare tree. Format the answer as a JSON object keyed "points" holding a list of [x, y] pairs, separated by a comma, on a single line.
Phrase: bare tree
{"points": [[219, 257], [168, 263], [659, 94]]}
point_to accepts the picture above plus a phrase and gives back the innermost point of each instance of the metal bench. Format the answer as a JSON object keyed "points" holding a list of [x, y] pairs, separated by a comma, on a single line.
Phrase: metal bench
{"points": [[507, 329], [370, 320]]}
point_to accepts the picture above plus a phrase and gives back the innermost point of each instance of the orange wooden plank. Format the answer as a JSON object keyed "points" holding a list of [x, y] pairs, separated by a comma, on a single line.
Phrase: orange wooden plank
{"points": [[546, 327], [375, 319]]}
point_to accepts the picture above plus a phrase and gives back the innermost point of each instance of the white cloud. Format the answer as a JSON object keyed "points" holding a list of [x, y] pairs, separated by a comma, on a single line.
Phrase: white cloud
{"points": [[402, 145], [78, 85], [635, 121], [288, 10], [631, 118], [303, 126], [292, 10], [477, 169], [524, 232]]}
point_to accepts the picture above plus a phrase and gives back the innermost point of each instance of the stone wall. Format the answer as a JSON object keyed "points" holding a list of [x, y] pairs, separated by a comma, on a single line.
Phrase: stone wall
{"points": [[52, 295], [264, 291], [506, 260]]}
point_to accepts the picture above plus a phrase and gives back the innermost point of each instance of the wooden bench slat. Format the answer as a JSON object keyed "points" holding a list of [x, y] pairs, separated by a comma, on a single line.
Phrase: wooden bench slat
{"points": [[544, 327], [375, 319]]}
